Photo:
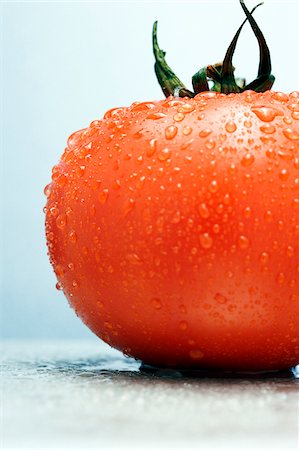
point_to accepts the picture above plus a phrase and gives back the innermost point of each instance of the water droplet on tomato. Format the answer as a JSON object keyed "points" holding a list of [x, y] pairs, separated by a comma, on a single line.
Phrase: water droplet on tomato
{"points": [[61, 221], [247, 160], [247, 123], [265, 113], [205, 240], [187, 130], [230, 126], [247, 212], [203, 211], [243, 242], [164, 154], [196, 354], [290, 251], [178, 117], [293, 107], [129, 206], [220, 298], [156, 303], [183, 325], [268, 129], [156, 116], [73, 236], [280, 279], [264, 258], [103, 196], [216, 228], [80, 170], [152, 147], [284, 174], [280, 96], [171, 132], [205, 132], [59, 286], [186, 108], [291, 134], [213, 186], [47, 190]]}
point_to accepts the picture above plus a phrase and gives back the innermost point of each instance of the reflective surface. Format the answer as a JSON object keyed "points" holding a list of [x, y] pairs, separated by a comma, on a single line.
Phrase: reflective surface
{"points": [[85, 395]]}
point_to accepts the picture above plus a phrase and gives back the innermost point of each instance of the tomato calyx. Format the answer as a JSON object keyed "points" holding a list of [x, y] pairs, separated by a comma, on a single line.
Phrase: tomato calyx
{"points": [[221, 74]]}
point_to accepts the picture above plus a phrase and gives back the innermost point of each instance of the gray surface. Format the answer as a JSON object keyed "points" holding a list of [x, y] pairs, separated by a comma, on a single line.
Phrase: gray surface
{"points": [[86, 395]]}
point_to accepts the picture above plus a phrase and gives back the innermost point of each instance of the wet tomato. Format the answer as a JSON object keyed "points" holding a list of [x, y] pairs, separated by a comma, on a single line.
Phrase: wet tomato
{"points": [[173, 229], [173, 225]]}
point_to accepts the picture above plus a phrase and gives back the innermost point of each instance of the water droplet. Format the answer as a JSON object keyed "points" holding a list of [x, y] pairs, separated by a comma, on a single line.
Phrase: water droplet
{"points": [[203, 211], [268, 129], [80, 170], [295, 115], [264, 258], [128, 206], [280, 279], [294, 297], [103, 196], [265, 113], [220, 298], [156, 303], [75, 284], [196, 354], [171, 132], [216, 228], [296, 163], [243, 242], [61, 221], [290, 251], [152, 147], [230, 126], [247, 160], [291, 134], [284, 174], [205, 132], [156, 116], [187, 130], [205, 240], [186, 108], [293, 107], [280, 96], [134, 259], [247, 123], [59, 286], [268, 216], [296, 203], [164, 154], [178, 117], [183, 325], [247, 212], [71, 266], [210, 144], [213, 186], [73, 236], [47, 190]]}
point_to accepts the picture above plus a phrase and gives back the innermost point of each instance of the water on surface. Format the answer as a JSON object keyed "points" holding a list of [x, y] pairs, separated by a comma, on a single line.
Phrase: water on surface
{"points": [[86, 395]]}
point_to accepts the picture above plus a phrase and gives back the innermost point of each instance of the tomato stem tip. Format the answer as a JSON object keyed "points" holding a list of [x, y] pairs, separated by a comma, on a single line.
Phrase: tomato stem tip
{"points": [[221, 74]]}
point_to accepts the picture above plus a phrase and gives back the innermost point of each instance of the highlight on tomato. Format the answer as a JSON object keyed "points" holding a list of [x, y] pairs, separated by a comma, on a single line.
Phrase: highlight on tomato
{"points": [[172, 225]]}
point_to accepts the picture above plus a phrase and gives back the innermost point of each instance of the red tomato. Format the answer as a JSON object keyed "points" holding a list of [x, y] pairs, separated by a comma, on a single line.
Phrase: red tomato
{"points": [[173, 227]]}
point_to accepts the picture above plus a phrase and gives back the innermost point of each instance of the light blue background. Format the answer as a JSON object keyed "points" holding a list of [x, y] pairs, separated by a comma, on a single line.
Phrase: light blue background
{"points": [[66, 63]]}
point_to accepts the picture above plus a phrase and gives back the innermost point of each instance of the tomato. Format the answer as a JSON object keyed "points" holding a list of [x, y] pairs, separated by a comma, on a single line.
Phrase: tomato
{"points": [[173, 228]]}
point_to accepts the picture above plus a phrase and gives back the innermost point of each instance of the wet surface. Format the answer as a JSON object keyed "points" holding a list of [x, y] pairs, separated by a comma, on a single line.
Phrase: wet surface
{"points": [[85, 395]]}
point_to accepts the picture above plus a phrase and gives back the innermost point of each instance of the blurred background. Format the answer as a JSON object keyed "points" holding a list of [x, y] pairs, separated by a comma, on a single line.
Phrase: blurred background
{"points": [[63, 65]]}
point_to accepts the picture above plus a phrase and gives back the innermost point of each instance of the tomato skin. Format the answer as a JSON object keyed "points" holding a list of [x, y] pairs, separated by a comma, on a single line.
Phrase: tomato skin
{"points": [[173, 230]]}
